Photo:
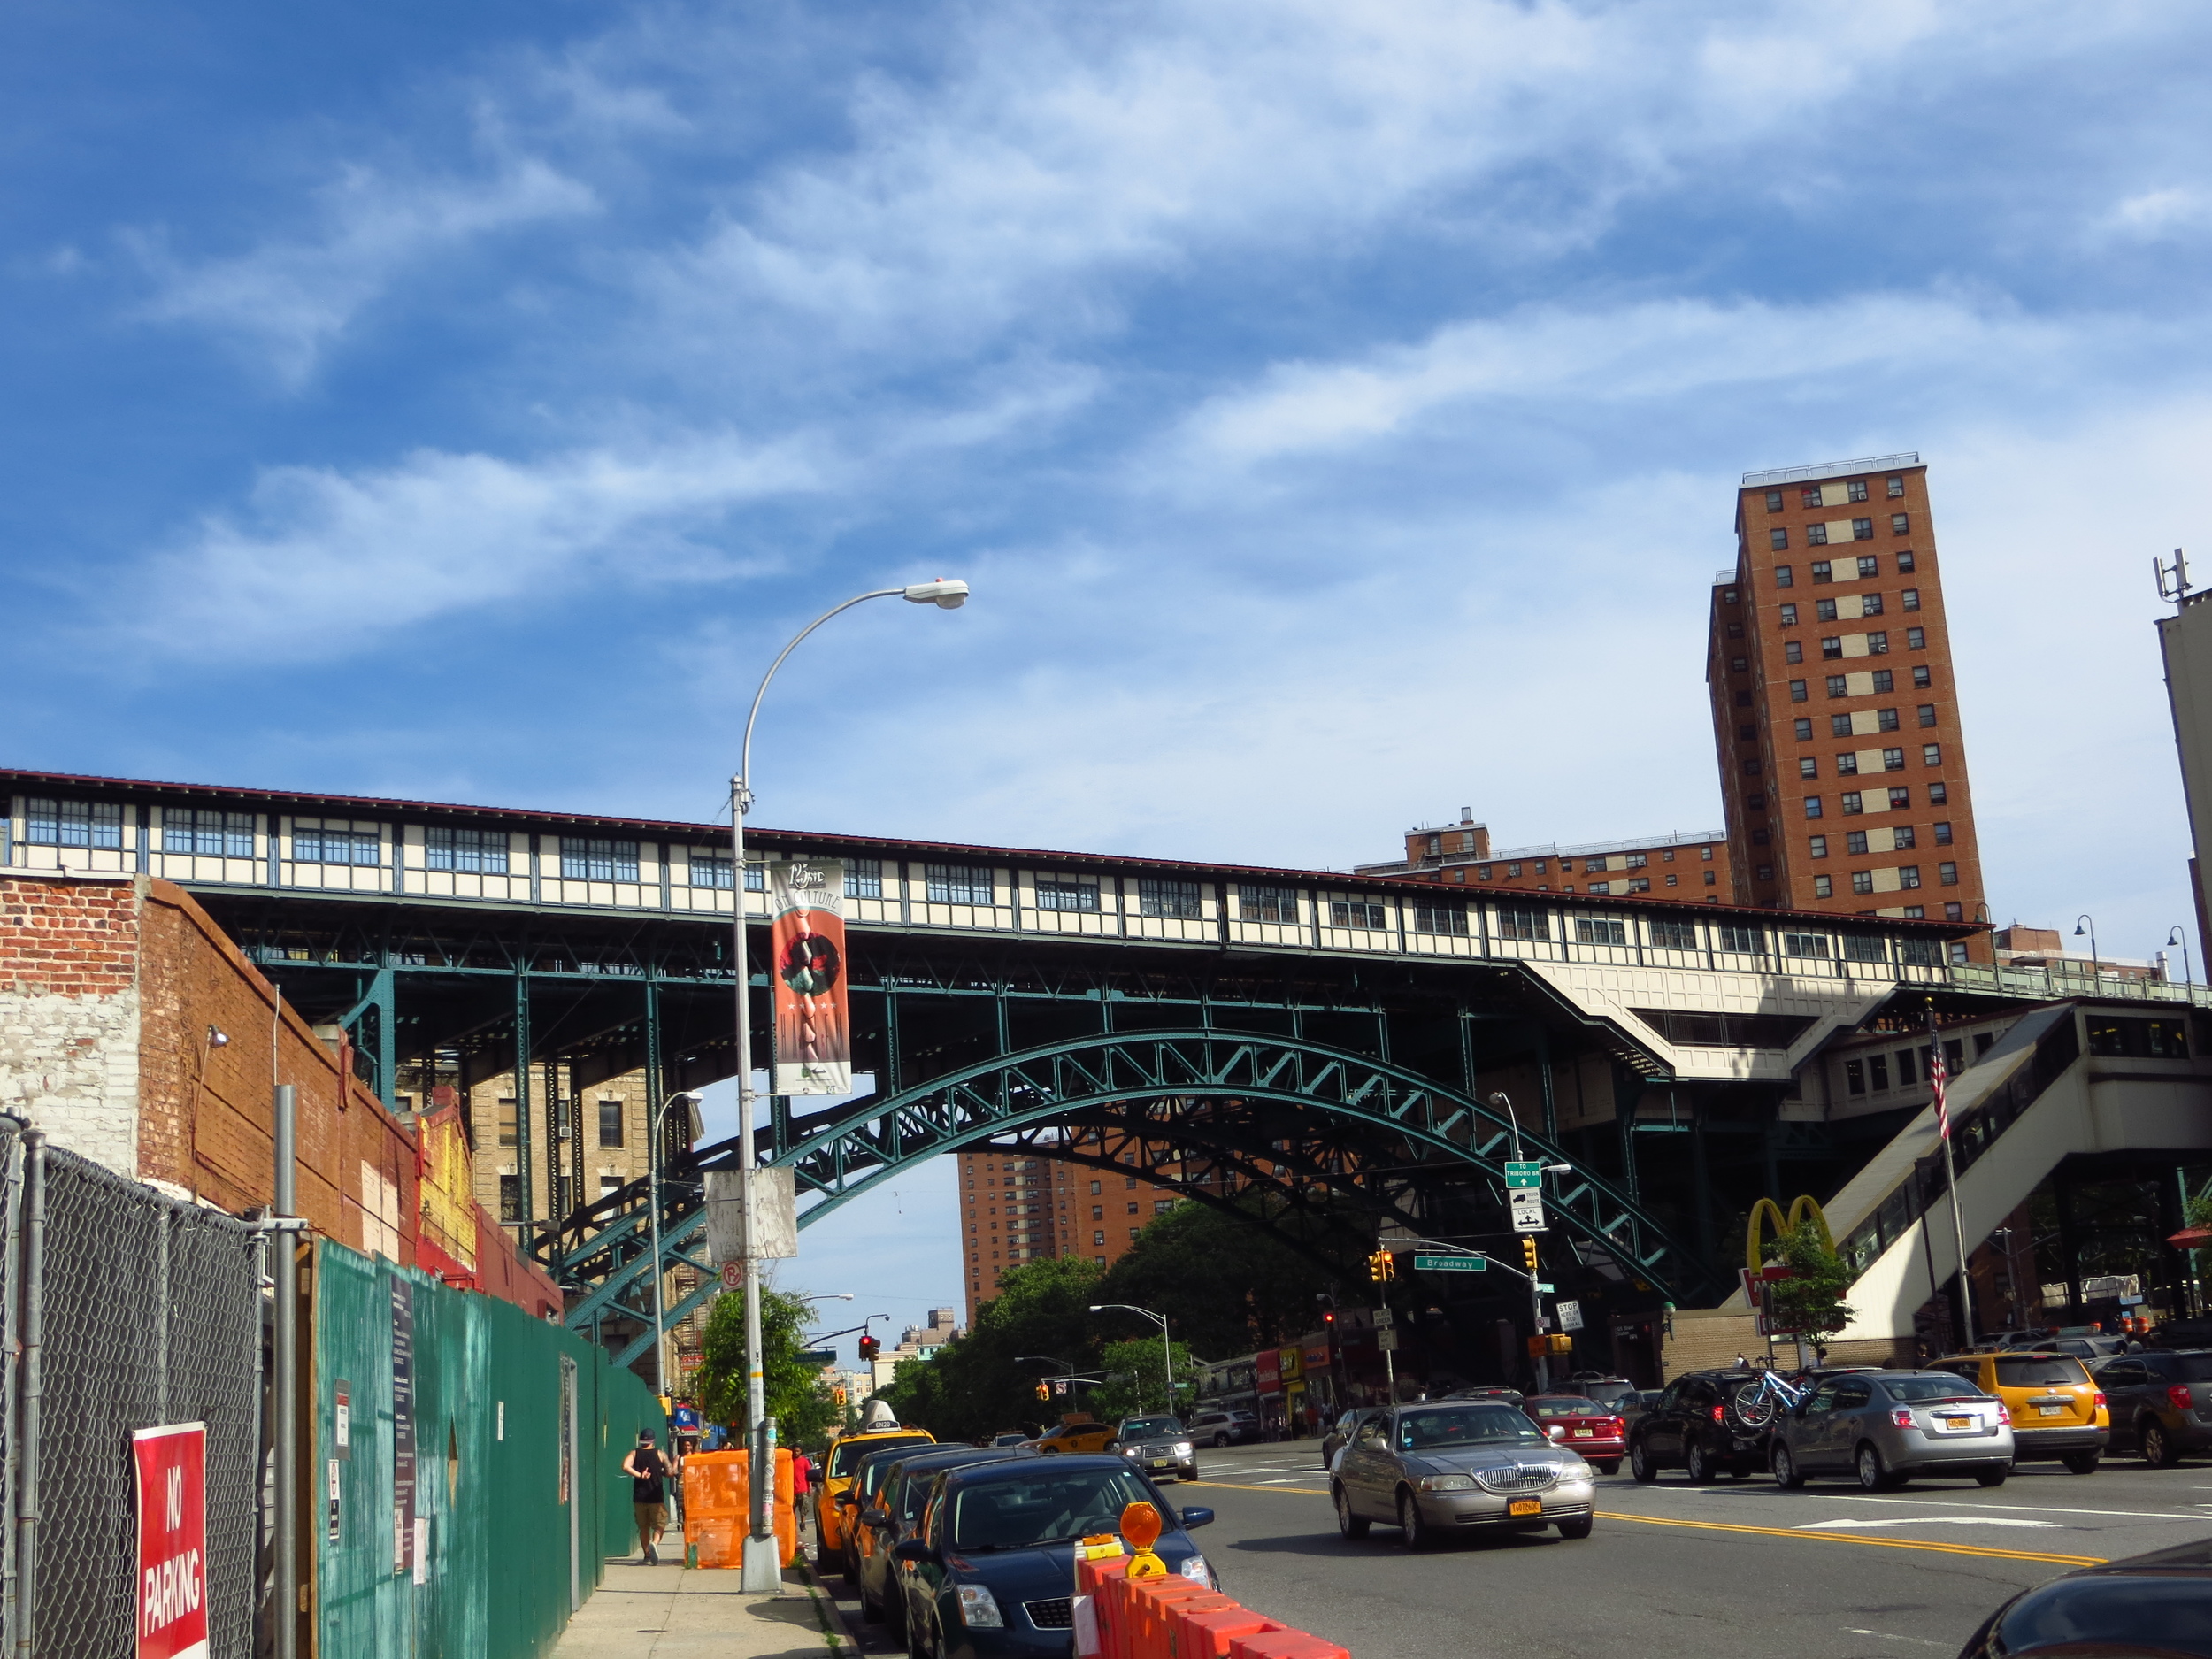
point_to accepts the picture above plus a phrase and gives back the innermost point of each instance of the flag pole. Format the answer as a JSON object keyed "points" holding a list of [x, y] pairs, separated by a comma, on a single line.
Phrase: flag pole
{"points": [[1940, 1072]]}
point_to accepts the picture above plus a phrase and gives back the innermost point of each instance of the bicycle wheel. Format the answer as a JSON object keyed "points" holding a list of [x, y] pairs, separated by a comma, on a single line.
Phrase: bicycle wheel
{"points": [[1755, 1407]]}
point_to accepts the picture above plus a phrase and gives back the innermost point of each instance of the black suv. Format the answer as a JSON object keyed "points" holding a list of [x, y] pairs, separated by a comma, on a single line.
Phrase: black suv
{"points": [[2160, 1402], [1692, 1426]]}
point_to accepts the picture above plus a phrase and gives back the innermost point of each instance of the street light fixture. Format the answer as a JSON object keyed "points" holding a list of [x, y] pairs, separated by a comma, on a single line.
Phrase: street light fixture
{"points": [[1167, 1354], [763, 1573], [2174, 936], [2087, 924]]}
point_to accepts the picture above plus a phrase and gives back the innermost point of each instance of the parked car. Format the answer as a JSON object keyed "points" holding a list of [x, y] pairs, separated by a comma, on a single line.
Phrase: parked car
{"points": [[1010, 1436], [1224, 1427], [994, 1565], [845, 1453], [1341, 1431], [1693, 1427], [1491, 1392], [2159, 1402], [1632, 1405], [858, 1499], [1159, 1445], [1582, 1424], [1444, 1468], [1603, 1387], [2057, 1412], [1887, 1427], [893, 1519], [2082, 1348], [2155, 1604], [1079, 1432]]}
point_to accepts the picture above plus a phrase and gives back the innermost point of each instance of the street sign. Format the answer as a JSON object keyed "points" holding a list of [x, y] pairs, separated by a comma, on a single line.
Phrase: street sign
{"points": [[1570, 1315], [1383, 1316], [1451, 1264], [1546, 1288], [732, 1275], [818, 1357], [1386, 1340], [1528, 1210], [1520, 1173]]}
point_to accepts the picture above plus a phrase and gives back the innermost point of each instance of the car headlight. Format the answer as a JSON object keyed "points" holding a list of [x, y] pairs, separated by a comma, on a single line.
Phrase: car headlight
{"points": [[978, 1608], [1446, 1483], [1197, 1571], [1182, 1449], [1131, 1451]]}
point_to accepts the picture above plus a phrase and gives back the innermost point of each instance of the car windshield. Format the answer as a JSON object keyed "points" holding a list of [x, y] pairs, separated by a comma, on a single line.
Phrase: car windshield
{"points": [[1910, 1389], [2193, 1368], [1562, 1406], [1151, 1428], [849, 1453], [1044, 1507], [2046, 1371], [1462, 1425]]}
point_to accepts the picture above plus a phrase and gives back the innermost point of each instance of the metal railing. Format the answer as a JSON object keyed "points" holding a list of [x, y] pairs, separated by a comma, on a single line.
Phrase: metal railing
{"points": [[1832, 468]]}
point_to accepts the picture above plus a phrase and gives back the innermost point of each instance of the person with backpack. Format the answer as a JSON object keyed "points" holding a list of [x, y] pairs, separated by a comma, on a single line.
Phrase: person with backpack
{"points": [[648, 1473]]}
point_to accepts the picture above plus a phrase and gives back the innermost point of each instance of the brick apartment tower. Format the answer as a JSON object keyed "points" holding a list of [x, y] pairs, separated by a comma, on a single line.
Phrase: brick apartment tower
{"points": [[1835, 709], [1017, 1208]]}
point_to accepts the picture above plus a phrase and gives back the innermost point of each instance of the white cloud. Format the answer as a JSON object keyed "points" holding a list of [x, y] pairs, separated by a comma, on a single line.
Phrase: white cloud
{"points": [[2162, 214]]}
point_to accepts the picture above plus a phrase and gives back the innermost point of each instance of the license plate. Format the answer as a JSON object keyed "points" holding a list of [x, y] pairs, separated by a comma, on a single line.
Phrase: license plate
{"points": [[1164, 1462], [2050, 1411], [1583, 1434], [1526, 1506], [1958, 1423]]}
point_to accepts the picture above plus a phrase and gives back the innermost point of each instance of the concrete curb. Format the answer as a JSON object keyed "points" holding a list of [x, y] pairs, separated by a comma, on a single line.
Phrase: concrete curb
{"points": [[834, 1630]]}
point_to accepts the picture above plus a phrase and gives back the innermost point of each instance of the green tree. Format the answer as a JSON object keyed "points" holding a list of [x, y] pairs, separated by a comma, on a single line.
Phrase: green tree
{"points": [[1135, 1386], [979, 1383], [1810, 1302], [796, 1396], [1229, 1282]]}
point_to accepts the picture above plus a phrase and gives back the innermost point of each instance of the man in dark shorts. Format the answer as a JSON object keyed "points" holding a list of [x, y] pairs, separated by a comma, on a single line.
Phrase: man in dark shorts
{"points": [[649, 1495]]}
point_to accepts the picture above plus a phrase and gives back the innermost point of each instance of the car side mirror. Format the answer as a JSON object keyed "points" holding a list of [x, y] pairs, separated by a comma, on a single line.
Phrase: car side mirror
{"points": [[1110, 1446], [849, 1500], [915, 1549], [875, 1517], [1197, 1515]]}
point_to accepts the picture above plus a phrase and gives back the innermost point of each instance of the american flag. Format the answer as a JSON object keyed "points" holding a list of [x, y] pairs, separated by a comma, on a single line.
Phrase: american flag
{"points": [[1939, 1074]]}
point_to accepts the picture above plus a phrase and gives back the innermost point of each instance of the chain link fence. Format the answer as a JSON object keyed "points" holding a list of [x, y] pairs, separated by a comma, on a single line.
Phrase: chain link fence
{"points": [[149, 1312]]}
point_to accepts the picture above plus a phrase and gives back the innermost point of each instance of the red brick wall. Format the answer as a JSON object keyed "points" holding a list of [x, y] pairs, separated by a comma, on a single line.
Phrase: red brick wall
{"points": [[68, 939]]}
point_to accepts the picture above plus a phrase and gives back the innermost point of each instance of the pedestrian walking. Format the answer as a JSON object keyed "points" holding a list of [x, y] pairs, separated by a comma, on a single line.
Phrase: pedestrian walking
{"points": [[648, 1473], [801, 1483]]}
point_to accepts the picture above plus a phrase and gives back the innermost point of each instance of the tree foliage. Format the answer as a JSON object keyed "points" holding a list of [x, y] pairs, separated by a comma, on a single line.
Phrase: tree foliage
{"points": [[796, 1396], [978, 1384], [1810, 1304], [1135, 1385]]}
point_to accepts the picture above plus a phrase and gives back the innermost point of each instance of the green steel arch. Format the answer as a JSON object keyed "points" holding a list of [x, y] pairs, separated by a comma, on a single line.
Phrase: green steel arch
{"points": [[838, 1156]]}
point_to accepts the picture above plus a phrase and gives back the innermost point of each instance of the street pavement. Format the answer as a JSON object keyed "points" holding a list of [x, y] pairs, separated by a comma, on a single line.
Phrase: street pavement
{"points": [[1703, 1572]]}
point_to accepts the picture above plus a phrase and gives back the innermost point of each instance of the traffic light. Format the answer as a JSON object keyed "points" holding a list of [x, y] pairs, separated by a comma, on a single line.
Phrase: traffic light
{"points": [[1528, 1253], [1328, 1321], [870, 1347], [1560, 1342], [1044, 1393], [1382, 1266]]}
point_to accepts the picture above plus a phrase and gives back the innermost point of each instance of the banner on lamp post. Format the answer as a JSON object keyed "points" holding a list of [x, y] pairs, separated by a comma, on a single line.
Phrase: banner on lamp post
{"points": [[814, 1047]]}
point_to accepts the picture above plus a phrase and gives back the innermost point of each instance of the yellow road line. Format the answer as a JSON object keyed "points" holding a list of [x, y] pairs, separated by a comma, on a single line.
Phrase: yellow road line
{"points": [[1763, 1531]]}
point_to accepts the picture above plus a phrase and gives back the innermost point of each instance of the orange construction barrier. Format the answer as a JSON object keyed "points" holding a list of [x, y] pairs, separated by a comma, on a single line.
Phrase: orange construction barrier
{"points": [[1207, 1632], [715, 1485], [1175, 1618]]}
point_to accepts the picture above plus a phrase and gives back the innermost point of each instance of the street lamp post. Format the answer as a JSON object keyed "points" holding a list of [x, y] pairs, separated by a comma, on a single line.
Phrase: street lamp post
{"points": [[1167, 1354], [2088, 923], [1536, 1296], [763, 1573], [2174, 936]]}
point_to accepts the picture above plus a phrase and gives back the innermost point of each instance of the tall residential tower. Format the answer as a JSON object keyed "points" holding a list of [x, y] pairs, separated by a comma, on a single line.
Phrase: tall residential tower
{"points": [[1835, 714]]}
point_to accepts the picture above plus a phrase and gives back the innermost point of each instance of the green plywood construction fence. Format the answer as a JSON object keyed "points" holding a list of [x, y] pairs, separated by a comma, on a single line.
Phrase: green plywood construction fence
{"points": [[510, 1515]]}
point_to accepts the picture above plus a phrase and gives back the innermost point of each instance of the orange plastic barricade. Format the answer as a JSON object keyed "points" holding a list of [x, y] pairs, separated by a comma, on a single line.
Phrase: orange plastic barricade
{"points": [[1150, 1603], [1207, 1632], [1284, 1644], [715, 1485]]}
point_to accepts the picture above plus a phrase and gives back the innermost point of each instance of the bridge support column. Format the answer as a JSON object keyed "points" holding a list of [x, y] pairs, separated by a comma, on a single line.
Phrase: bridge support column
{"points": [[524, 1208], [1551, 1106]]}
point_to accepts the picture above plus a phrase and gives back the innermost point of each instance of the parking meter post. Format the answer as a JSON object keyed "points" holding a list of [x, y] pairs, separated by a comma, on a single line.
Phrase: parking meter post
{"points": [[1390, 1358]]}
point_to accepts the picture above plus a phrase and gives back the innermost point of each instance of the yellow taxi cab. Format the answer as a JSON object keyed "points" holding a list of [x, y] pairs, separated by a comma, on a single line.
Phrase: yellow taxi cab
{"points": [[1079, 1432], [834, 1520], [2057, 1410]]}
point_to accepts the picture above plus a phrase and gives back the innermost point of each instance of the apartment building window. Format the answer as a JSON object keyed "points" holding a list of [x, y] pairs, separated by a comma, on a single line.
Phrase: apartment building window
{"points": [[1792, 650], [1167, 898], [1901, 523], [1851, 806], [1863, 530], [1948, 874], [1854, 1076], [1512, 871], [1637, 861], [1862, 881], [711, 869], [1810, 494], [466, 851], [1743, 700], [610, 1115], [1892, 760], [1839, 726], [1856, 488], [591, 858], [1837, 686], [1902, 838], [1952, 910], [1817, 535], [1943, 833], [864, 877], [1797, 691], [1482, 872], [1783, 577], [1877, 1072], [1817, 846], [1820, 568], [1765, 872], [1854, 842], [1357, 913], [1824, 609], [1805, 944], [510, 1198], [958, 884], [1097, 1188], [1442, 916], [1789, 615], [1822, 888], [1804, 730], [1885, 720], [1735, 629], [1847, 765], [1916, 640], [1911, 599], [1525, 924], [1728, 597], [1883, 679], [1746, 734], [213, 835], [1739, 664], [1758, 839], [1926, 713], [1748, 942], [1069, 893], [90, 824], [1896, 485], [1831, 647], [1755, 801], [334, 847], [1807, 766], [1878, 643], [1590, 866], [1598, 931], [1267, 904], [1777, 540], [1705, 853], [1099, 1238], [1903, 557], [1812, 806], [1922, 679], [1674, 935], [1709, 879], [1907, 1062], [1871, 604], [1774, 501]]}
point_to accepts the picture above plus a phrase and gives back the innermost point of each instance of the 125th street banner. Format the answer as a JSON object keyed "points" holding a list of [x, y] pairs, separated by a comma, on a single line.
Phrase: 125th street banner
{"points": [[814, 1047], [172, 1467]]}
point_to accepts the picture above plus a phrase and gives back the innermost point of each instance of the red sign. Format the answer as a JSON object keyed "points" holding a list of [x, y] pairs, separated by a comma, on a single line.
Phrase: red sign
{"points": [[1267, 1375], [814, 1042], [172, 1465]]}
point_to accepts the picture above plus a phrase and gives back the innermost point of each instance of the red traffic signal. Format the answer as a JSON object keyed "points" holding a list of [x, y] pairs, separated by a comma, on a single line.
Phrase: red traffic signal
{"points": [[870, 1347]]}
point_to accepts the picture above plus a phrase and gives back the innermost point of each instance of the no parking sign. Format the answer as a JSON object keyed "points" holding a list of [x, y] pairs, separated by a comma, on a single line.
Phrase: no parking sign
{"points": [[171, 1466]]}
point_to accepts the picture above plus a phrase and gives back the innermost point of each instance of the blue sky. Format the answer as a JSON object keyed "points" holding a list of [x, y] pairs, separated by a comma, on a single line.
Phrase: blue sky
{"points": [[1336, 409]]}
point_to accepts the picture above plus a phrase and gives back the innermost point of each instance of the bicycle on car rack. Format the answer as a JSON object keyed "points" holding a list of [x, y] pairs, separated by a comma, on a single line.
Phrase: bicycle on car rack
{"points": [[1756, 1406]]}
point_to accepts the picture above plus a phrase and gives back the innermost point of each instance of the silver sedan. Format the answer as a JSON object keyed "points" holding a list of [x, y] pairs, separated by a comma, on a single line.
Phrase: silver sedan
{"points": [[1442, 1469], [1886, 1428]]}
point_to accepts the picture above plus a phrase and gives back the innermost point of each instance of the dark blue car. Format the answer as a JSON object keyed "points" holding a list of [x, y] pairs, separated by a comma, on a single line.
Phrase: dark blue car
{"points": [[994, 1565]]}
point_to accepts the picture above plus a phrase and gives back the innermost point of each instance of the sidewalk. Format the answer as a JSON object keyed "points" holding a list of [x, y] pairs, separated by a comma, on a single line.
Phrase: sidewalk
{"points": [[673, 1612]]}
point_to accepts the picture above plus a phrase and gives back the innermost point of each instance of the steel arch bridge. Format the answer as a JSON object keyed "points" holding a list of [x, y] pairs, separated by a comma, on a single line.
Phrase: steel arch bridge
{"points": [[1286, 1113]]}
